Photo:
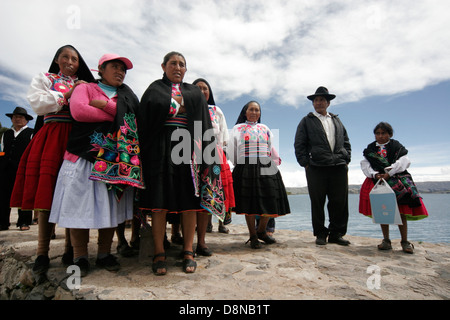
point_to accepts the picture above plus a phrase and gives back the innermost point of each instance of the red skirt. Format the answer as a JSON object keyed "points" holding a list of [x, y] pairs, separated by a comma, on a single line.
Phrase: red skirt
{"points": [[411, 214], [39, 167], [227, 183]]}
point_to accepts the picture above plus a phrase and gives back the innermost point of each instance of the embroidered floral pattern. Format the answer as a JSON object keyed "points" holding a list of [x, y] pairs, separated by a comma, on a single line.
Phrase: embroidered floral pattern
{"points": [[117, 160], [62, 84]]}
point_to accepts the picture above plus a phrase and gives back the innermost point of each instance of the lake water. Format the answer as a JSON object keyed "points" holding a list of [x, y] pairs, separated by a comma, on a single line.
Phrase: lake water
{"points": [[434, 229]]}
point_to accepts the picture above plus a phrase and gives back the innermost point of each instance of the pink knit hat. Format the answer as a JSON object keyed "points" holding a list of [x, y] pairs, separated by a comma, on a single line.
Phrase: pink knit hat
{"points": [[112, 56]]}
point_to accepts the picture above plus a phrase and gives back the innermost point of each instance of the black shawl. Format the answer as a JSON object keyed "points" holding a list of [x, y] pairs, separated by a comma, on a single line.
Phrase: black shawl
{"points": [[152, 115], [402, 183], [113, 147]]}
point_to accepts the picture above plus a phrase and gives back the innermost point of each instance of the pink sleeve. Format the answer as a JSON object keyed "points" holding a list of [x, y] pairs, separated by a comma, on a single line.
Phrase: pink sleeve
{"points": [[83, 112], [275, 156]]}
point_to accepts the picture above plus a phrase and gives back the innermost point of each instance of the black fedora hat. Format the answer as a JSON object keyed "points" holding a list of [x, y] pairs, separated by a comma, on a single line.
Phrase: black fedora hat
{"points": [[20, 111], [322, 92]]}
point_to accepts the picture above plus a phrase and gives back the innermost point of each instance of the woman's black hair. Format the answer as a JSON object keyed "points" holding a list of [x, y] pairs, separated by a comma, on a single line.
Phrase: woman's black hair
{"points": [[384, 126], [242, 116], [210, 101], [173, 53], [83, 73], [104, 64]]}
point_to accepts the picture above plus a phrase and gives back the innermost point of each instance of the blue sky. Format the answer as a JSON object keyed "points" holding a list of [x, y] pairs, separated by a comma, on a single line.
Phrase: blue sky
{"points": [[385, 61]]}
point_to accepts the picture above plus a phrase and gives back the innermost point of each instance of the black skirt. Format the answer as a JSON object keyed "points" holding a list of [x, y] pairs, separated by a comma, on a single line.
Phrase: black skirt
{"points": [[259, 188], [169, 185]]}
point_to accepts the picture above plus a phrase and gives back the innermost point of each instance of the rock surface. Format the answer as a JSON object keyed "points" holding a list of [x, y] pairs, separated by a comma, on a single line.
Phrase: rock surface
{"points": [[294, 268]]}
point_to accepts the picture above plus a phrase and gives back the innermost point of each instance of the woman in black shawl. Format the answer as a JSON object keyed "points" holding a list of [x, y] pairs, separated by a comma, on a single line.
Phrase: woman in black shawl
{"points": [[258, 186], [179, 160]]}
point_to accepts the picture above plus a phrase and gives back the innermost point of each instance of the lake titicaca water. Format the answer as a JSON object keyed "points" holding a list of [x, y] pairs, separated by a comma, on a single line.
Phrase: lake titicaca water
{"points": [[434, 229]]}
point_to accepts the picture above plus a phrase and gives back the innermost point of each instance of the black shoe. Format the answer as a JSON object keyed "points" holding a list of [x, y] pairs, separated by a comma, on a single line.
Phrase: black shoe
{"points": [[338, 240], [41, 265], [125, 250], [177, 239], [67, 257], [109, 263], [203, 251], [84, 266], [266, 238], [254, 242], [321, 240]]}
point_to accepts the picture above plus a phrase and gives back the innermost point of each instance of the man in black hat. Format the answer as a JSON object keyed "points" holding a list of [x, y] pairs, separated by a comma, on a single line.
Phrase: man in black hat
{"points": [[323, 148], [13, 144]]}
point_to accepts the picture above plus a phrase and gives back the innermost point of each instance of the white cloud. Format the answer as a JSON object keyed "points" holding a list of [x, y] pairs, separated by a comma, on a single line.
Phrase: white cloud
{"points": [[278, 49], [281, 49]]}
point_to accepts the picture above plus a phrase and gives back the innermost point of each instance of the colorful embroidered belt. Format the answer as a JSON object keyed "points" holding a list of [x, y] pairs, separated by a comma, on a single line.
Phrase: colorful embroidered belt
{"points": [[180, 120], [61, 116]]}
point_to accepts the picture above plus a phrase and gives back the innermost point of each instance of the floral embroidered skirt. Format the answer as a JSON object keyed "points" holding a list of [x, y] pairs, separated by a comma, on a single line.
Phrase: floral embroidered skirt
{"points": [[411, 213], [39, 167], [259, 188]]}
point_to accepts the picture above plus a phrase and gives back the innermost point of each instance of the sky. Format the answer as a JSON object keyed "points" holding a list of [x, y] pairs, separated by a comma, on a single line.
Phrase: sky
{"points": [[384, 60]]}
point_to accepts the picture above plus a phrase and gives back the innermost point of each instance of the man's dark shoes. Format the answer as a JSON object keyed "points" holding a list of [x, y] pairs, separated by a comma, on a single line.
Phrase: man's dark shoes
{"points": [[338, 240], [321, 240]]}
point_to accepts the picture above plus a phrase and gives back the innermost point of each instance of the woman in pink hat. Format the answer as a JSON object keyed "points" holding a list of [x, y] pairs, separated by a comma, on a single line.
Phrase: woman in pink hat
{"points": [[101, 164]]}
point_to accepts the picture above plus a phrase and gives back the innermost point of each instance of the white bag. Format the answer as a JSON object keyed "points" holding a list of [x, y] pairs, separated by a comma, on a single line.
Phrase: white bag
{"points": [[383, 203]]}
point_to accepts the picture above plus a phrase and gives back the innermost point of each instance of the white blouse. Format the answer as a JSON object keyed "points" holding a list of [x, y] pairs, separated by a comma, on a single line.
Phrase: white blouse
{"points": [[220, 125], [45, 96]]}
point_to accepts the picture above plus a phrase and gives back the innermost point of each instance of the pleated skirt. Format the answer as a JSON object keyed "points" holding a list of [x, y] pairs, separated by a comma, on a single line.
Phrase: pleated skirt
{"points": [[82, 203], [39, 167], [259, 189], [169, 183], [411, 214]]}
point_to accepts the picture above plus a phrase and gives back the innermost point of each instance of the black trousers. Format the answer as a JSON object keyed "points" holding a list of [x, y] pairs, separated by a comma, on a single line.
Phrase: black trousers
{"points": [[328, 183], [8, 177]]}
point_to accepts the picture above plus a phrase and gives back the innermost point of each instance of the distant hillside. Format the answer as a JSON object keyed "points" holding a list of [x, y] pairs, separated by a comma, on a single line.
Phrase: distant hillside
{"points": [[424, 187]]}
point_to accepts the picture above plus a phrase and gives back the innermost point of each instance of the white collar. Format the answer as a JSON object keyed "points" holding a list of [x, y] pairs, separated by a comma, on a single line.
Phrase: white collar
{"points": [[382, 144]]}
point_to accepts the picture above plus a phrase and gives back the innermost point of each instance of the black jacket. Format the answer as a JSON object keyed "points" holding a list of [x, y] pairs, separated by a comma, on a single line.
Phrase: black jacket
{"points": [[312, 147]]}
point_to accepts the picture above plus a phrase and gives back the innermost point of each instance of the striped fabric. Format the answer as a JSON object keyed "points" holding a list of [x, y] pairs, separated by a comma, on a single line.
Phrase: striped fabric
{"points": [[61, 116], [180, 120]]}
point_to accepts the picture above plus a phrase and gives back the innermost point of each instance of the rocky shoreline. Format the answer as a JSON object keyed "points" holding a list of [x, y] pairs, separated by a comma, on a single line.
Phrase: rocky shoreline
{"points": [[292, 269]]}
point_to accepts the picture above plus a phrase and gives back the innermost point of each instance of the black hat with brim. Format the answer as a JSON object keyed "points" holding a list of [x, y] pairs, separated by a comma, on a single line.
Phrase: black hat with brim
{"points": [[20, 111], [322, 92]]}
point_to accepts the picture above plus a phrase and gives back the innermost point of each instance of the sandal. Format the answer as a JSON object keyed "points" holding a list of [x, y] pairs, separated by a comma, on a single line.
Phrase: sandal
{"points": [[254, 242], [160, 264], [265, 237], [189, 263], [385, 245], [24, 227], [407, 247], [223, 229]]}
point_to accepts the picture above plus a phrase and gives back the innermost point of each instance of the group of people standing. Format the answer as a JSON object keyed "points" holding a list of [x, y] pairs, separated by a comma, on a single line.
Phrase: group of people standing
{"points": [[102, 154]]}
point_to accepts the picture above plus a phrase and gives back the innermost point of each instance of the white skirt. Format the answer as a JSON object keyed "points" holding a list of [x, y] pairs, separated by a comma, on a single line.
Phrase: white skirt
{"points": [[81, 203]]}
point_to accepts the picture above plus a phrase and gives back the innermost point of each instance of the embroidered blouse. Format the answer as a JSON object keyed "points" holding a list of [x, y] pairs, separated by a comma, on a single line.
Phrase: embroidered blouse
{"points": [[175, 118], [46, 93], [250, 139]]}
